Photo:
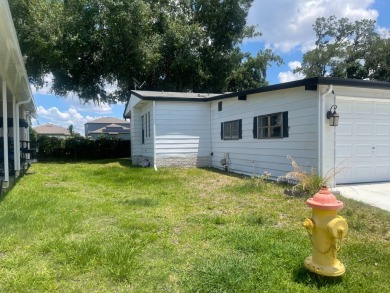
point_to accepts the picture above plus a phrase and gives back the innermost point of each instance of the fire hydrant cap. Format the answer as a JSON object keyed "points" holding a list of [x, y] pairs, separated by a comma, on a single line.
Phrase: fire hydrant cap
{"points": [[325, 200]]}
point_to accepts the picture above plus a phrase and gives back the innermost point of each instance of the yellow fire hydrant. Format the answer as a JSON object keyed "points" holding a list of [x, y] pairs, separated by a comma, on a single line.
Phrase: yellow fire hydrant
{"points": [[326, 230]]}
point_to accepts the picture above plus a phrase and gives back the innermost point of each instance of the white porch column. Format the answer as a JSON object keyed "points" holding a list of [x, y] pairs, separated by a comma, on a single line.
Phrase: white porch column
{"points": [[5, 133]]}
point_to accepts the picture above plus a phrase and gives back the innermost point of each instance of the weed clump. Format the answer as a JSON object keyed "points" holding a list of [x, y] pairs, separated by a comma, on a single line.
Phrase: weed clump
{"points": [[304, 183]]}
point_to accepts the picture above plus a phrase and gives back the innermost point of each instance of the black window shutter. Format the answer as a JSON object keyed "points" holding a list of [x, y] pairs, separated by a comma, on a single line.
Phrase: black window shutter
{"points": [[240, 129], [222, 130], [254, 127], [285, 124]]}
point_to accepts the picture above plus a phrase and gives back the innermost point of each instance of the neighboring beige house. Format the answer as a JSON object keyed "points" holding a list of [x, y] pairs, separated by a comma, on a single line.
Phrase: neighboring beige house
{"points": [[108, 127], [16, 102], [52, 130]]}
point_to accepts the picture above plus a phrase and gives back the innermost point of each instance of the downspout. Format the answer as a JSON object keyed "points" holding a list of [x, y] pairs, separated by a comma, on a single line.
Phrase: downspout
{"points": [[154, 136], [5, 134], [321, 129], [15, 134]]}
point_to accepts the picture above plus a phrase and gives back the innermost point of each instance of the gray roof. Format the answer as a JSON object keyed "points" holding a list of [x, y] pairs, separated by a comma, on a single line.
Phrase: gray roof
{"points": [[108, 120], [112, 128], [162, 94], [51, 129], [309, 84]]}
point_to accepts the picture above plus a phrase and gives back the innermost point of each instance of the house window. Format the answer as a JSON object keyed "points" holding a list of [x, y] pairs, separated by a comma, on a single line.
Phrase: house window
{"points": [[220, 106], [231, 130], [145, 126], [271, 126]]}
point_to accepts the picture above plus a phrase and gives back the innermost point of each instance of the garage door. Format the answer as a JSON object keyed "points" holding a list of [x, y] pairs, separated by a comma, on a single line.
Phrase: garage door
{"points": [[363, 141]]}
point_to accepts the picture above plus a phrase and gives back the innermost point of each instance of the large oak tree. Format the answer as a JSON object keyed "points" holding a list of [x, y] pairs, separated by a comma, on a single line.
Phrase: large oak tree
{"points": [[347, 49], [187, 45]]}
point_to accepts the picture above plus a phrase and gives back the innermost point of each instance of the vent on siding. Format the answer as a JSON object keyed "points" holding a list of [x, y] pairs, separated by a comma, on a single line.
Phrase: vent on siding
{"points": [[311, 87]]}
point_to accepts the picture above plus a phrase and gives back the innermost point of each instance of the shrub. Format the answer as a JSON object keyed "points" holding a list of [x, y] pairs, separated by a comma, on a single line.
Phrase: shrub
{"points": [[80, 148], [50, 147]]}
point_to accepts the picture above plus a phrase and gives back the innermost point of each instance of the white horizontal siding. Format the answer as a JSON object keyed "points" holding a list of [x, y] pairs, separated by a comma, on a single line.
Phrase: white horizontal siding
{"points": [[248, 153], [138, 148], [175, 138], [183, 129], [135, 132], [177, 127]]}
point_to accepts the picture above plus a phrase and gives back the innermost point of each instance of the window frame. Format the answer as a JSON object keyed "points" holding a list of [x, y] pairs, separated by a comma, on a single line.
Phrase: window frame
{"points": [[146, 128], [226, 130], [269, 127]]}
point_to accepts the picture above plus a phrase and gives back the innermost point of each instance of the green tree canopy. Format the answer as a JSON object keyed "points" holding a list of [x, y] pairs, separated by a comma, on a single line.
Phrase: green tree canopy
{"points": [[252, 71], [347, 49], [189, 45], [71, 129]]}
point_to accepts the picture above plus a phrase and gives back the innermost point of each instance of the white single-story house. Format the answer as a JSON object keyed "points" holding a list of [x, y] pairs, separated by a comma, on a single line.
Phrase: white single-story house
{"points": [[16, 101], [254, 131]]}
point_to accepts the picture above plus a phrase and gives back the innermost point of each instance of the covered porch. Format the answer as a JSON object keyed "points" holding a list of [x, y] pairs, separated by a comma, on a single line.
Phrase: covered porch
{"points": [[16, 103]]}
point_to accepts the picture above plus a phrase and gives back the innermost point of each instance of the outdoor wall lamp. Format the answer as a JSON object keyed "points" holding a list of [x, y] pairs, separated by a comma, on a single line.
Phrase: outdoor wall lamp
{"points": [[333, 116]]}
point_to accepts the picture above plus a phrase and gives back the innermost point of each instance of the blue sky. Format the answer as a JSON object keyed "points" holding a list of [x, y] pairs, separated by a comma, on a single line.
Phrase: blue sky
{"points": [[286, 27]]}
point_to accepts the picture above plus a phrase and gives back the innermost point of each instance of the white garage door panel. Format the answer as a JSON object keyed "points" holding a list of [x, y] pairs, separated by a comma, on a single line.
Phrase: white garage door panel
{"points": [[345, 129], [363, 129], [382, 109], [363, 108], [382, 129], [363, 141], [382, 170], [363, 150]]}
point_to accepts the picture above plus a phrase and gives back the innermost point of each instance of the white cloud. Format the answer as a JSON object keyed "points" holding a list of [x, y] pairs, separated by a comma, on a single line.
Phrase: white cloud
{"points": [[64, 118], [70, 109], [286, 25], [384, 32], [73, 100], [46, 89], [290, 75]]}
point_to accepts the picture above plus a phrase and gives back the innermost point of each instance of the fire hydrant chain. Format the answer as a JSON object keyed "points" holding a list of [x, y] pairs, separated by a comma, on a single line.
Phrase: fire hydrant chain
{"points": [[338, 240]]}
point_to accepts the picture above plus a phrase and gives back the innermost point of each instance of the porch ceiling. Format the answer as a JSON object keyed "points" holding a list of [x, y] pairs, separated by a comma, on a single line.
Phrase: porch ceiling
{"points": [[12, 69]]}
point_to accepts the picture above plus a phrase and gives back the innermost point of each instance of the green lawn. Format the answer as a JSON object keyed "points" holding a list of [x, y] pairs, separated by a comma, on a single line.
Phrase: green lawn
{"points": [[109, 227]]}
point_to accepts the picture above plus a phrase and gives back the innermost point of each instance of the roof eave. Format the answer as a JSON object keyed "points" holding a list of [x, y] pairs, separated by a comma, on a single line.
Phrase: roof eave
{"points": [[20, 85], [309, 83]]}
